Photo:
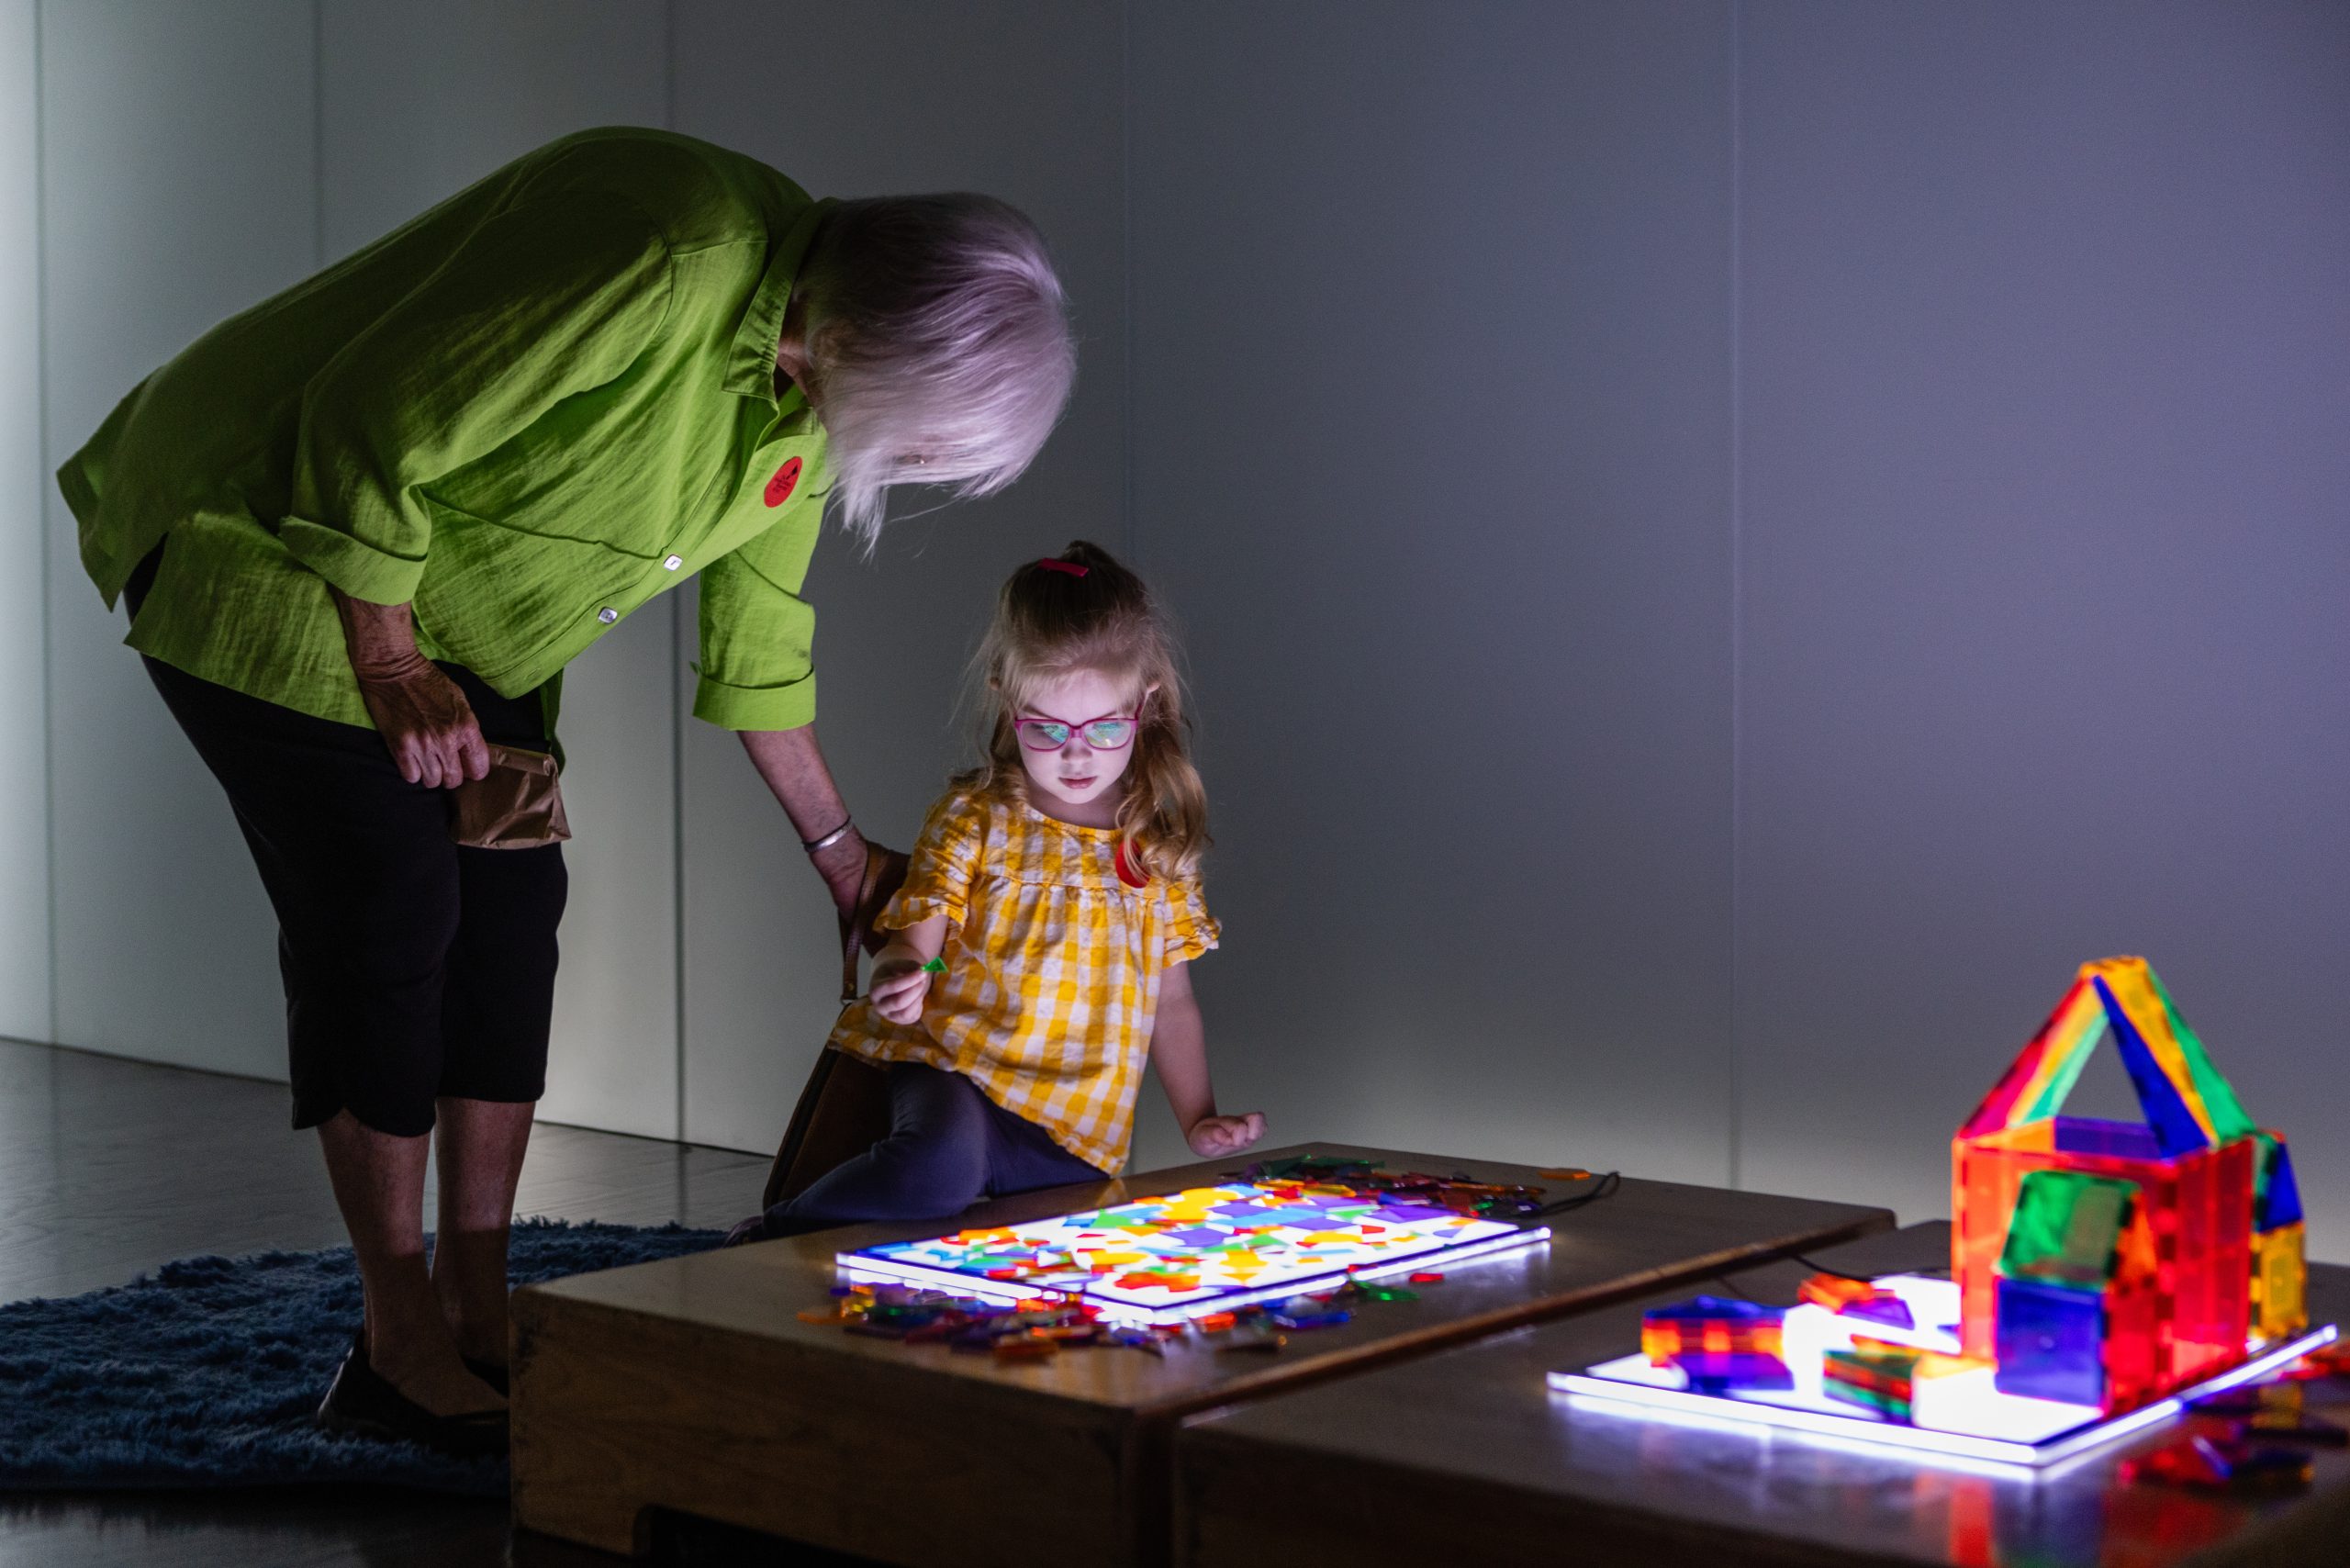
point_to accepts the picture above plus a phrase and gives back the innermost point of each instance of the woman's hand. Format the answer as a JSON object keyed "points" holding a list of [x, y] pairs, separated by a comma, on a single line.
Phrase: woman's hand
{"points": [[900, 984], [843, 869], [1212, 1137], [427, 726], [425, 722]]}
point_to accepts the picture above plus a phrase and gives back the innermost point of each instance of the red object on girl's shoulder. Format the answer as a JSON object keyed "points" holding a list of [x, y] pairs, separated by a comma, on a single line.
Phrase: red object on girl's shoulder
{"points": [[1128, 872]]}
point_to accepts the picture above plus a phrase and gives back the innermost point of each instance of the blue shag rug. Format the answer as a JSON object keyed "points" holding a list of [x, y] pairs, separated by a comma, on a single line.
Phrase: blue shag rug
{"points": [[206, 1371]]}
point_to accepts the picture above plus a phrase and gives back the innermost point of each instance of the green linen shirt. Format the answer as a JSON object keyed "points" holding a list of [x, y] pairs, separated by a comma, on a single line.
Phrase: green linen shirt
{"points": [[525, 413]]}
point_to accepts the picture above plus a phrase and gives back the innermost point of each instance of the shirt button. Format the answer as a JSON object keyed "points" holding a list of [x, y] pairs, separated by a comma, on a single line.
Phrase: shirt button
{"points": [[673, 563], [608, 615]]}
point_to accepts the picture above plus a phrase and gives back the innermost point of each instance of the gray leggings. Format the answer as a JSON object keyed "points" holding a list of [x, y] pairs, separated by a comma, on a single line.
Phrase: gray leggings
{"points": [[949, 1145]]}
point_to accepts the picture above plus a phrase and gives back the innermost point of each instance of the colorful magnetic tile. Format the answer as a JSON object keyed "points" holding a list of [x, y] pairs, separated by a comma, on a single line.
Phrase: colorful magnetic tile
{"points": [[1884, 1377], [2277, 1195], [2279, 1282], [1207, 1249], [1882, 1380], [1710, 1325], [2066, 1229], [2052, 1343], [1833, 1290], [1734, 1371], [1860, 1301]]}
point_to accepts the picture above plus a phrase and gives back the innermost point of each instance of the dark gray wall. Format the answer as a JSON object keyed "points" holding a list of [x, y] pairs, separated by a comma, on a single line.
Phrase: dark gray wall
{"points": [[1431, 449], [1876, 470], [2045, 373]]}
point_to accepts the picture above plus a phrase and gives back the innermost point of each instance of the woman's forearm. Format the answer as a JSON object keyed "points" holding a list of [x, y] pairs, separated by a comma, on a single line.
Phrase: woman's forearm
{"points": [[793, 765], [381, 637]]}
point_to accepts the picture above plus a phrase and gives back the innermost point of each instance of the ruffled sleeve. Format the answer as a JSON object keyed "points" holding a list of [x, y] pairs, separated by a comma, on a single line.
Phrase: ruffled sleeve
{"points": [[1191, 930], [939, 870]]}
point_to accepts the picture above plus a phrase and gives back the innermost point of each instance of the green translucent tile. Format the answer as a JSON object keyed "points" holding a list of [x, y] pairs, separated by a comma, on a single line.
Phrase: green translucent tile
{"points": [[2066, 1229]]}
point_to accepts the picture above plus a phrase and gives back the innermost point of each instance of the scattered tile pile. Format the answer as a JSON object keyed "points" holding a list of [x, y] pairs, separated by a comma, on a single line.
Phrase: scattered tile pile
{"points": [[1458, 1191], [1038, 1328]]}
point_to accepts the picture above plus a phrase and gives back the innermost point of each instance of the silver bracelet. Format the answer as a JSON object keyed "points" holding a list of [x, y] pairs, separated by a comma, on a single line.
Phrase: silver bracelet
{"points": [[816, 845]]}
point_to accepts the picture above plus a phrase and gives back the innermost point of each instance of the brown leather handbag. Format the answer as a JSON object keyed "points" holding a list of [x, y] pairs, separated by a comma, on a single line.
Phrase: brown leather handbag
{"points": [[845, 1109], [518, 805]]}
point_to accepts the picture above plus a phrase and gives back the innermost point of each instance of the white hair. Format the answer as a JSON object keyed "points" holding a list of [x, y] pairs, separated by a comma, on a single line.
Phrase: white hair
{"points": [[939, 347]]}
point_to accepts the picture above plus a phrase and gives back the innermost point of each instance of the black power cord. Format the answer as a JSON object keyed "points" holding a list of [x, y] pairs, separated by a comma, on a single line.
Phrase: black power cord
{"points": [[1819, 1268], [1601, 1187]]}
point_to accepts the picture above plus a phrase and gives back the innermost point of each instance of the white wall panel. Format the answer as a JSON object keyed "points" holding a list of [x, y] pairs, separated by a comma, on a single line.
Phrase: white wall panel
{"points": [[1015, 98], [180, 188], [1430, 449], [23, 748], [420, 100]]}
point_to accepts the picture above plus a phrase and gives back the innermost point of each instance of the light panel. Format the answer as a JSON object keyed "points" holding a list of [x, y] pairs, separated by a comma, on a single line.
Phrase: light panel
{"points": [[1617, 1387]]}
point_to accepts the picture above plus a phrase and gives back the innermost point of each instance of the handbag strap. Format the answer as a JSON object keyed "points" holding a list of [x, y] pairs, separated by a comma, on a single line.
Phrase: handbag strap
{"points": [[860, 919]]}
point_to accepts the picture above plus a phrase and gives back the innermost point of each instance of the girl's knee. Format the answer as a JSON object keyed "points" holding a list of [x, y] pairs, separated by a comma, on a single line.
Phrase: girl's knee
{"points": [[935, 1174]]}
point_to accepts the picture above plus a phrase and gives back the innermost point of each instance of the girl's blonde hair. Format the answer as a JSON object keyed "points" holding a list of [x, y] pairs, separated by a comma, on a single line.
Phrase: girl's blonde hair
{"points": [[1083, 610]]}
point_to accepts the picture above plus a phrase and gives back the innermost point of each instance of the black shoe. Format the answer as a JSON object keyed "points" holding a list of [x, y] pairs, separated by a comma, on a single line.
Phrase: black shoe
{"points": [[363, 1403], [489, 1372], [751, 1229]]}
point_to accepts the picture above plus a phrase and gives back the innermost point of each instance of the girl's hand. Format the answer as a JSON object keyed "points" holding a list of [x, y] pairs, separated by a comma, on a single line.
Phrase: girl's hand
{"points": [[1212, 1137], [900, 984]]}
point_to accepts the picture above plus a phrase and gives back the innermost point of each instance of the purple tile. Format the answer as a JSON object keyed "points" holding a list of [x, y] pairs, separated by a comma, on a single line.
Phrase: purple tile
{"points": [[1891, 1311]]}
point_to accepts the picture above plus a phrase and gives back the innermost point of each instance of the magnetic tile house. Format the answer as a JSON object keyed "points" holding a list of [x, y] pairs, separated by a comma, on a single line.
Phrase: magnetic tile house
{"points": [[2133, 1272]]}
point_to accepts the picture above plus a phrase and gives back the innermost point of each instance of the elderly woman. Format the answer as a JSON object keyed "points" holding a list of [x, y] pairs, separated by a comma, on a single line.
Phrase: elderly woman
{"points": [[363, 527]]}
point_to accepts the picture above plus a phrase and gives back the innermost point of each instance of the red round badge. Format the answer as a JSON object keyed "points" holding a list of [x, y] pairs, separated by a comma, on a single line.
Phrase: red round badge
{"points": [[1128, 872], [779, 488]]}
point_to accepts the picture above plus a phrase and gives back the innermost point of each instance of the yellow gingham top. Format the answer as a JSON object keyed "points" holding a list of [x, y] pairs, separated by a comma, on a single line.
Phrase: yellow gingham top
{"points": [[1052, 972]]}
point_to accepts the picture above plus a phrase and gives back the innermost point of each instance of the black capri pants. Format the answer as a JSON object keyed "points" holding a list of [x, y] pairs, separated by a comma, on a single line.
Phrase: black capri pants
{"points": [[414, 968]]}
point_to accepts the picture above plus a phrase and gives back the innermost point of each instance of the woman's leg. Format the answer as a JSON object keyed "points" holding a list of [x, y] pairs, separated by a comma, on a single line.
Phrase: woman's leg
{"points": [[497, 1010], [480, 1147], [935, 1160], [378, 1180], [360, 870]]}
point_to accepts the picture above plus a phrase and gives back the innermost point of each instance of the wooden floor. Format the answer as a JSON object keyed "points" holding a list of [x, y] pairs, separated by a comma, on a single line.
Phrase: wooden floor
{"points": [[108, 1168]]}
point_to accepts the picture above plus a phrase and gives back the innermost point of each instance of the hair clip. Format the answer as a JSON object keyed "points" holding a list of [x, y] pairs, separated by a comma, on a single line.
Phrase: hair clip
{"points": [[1071, 567]]}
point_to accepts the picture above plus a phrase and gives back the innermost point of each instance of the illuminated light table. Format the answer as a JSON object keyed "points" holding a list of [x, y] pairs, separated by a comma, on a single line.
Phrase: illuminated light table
{"points": [[1468, 1456], [690, 1385]]}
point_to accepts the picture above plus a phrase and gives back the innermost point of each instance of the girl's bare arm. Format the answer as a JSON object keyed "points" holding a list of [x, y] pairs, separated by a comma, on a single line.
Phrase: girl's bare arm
{"points": [[1178, 1050]]}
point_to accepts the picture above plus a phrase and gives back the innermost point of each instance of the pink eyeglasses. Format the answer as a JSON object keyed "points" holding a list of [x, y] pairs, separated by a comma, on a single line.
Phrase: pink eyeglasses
{"points": [[1108, 732]]}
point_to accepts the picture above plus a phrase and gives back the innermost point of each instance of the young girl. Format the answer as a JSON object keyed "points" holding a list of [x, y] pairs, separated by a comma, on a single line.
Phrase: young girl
{"points": [[1057, 885]]}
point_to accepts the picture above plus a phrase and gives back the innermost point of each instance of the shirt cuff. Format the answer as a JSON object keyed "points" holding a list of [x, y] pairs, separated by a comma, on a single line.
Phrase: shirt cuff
{"points": [[787, 707], [360, 570]]}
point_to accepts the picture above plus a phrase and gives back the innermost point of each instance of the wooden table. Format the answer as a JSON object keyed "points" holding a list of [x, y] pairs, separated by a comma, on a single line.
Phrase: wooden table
{"points": [[1467, 1457], [691, 1385]]}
